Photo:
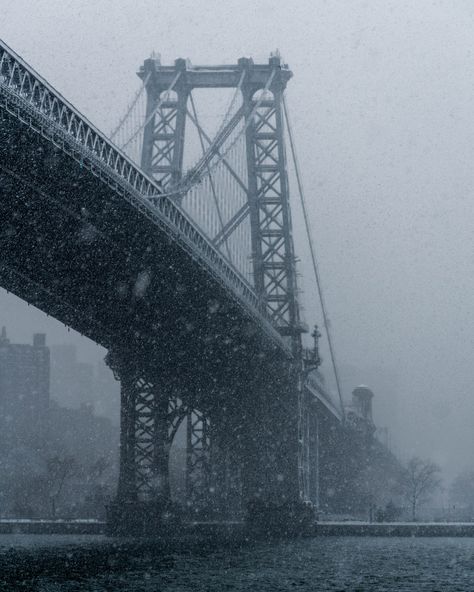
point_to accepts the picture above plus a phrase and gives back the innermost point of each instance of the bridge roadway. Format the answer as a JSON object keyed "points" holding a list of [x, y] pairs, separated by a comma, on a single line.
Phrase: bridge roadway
{"points": [[80, 241]]}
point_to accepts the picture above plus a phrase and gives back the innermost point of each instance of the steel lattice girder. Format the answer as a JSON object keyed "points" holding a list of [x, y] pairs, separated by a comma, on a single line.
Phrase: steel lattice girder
{"points": [[144, 437], [157, 419], [150, 418], [273, 252], [163, 140], [198, 459]]}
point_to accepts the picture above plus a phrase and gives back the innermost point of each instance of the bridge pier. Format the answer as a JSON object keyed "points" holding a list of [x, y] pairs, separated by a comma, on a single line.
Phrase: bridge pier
{"points": [[314, 460], [213, 479], [271, 461], [150, 417], [227, 483], [198, 463], [127, 488]]}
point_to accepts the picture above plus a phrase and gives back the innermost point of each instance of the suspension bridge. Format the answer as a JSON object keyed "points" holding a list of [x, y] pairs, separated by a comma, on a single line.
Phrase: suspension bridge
{"points": [[172, 247]]}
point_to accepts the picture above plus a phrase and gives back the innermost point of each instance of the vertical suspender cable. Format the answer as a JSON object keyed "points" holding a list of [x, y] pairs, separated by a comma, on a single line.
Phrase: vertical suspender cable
{"points": [[313, 257], [152, 114]]}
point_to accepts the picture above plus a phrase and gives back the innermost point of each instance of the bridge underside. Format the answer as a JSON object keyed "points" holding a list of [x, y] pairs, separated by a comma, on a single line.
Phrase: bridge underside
{"points": [[181, 345], [97, 264]]}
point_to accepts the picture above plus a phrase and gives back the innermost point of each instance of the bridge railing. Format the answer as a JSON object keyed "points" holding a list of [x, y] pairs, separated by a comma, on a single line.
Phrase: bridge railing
{"points": [[21, 80], [28, 96]]}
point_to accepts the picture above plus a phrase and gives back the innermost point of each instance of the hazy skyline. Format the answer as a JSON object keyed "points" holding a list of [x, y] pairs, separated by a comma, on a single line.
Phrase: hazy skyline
{"points": [[382, 103]]}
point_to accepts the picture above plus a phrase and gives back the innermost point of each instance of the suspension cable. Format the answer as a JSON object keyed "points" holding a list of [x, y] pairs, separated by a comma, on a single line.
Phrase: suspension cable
{"points": [[152, 114], [225, 162], [115, 131], [229, 110], [213, 189], [313, 256], [247, 123], [193, 177]]}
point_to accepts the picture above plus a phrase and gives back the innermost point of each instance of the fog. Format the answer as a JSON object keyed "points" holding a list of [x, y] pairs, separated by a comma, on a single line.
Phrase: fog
{"points": [[382, 104]]}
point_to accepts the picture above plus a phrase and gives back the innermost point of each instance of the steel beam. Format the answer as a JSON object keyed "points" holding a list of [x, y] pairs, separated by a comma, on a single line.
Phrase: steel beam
{"points": [[198, 461], [210, 76], [268, 195], [163, 136], [150, 416]]}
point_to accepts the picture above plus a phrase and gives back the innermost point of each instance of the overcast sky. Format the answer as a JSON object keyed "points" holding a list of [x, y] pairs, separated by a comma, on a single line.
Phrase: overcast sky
{"points": [[382, 103]]}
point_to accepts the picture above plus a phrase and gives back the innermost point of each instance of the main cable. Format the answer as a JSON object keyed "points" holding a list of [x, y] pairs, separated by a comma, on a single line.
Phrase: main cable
{"points": [[313, 256]]}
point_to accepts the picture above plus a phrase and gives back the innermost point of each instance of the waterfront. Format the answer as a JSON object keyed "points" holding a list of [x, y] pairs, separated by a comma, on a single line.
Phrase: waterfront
{"points": [[96, 564]]}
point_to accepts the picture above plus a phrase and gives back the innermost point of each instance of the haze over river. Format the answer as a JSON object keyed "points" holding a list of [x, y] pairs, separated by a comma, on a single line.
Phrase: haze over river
{"points": [[327, 563]]}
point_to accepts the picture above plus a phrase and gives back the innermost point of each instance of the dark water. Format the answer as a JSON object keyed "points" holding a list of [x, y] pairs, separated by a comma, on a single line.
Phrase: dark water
{"points": [[320, 564]]}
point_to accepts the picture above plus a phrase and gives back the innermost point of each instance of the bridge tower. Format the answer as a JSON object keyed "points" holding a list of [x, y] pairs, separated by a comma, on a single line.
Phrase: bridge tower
{"points": [[273, 255], [163, 138], [270, 465]]}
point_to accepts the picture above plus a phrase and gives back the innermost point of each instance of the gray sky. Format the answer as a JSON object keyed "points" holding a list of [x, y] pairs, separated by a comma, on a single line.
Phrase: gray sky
{"points": [[382, 105]]}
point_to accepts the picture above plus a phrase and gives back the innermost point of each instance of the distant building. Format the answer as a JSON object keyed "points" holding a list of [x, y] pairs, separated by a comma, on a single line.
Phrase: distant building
{"points": [[24, 391], [72, 382], [75, 384], [83, 434], [36, 430]]}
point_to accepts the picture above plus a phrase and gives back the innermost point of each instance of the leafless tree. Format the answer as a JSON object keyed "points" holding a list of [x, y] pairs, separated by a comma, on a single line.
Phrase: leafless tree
{"points": [[418, 481], [58, 471]]}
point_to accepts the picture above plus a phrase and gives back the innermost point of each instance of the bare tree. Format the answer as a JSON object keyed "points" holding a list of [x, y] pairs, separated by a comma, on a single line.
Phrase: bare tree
{"points": [[418, 481], [97, 480], [58, 471]]}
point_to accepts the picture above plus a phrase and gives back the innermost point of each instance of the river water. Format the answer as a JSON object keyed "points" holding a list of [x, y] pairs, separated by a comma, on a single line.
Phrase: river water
{"points": [[316, 565]]}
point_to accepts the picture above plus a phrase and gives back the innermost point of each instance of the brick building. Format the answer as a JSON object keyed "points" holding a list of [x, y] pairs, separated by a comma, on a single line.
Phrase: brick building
{"points": [[24, 392]]}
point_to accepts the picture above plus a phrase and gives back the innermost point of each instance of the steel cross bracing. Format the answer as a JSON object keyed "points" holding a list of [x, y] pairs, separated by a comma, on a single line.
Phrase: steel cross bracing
{"points": [[151, 414], [272, 243], [163, 139], [157, 419], [153, 428], [28, 96], [198, 460]]}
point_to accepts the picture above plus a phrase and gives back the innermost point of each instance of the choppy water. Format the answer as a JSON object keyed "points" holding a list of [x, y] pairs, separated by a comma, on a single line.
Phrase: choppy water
{"points": [[316, 565]]}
